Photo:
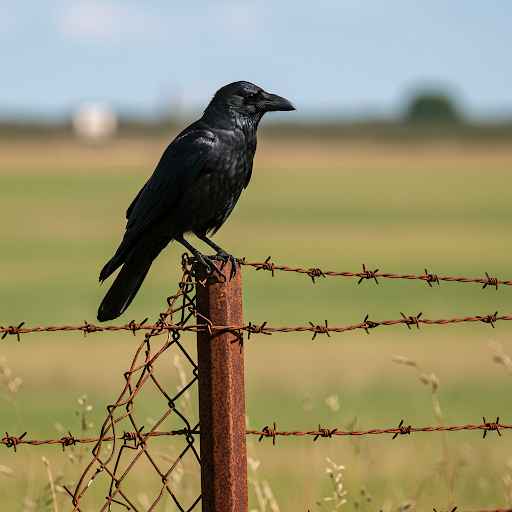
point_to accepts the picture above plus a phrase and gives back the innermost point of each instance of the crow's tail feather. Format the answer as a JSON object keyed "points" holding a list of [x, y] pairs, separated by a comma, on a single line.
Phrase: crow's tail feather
{"points": [[109, 268], [126, 284], [114, 263]]}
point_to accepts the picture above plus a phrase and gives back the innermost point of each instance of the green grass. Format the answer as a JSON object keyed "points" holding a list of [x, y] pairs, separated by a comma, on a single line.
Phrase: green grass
{"points": [[398, 209]]}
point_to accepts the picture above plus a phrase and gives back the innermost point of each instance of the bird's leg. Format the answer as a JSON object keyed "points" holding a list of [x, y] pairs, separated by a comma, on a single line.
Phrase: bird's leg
{"points": [[204, 260], [221, 253]]}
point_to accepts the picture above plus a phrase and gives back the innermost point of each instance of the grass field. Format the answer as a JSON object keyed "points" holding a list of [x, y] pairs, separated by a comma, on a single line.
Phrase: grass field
{"points": [[398, 208]]}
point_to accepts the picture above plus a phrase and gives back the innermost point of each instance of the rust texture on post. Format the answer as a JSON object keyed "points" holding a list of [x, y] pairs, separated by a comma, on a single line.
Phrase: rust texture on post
{"points": [[222, 395]]}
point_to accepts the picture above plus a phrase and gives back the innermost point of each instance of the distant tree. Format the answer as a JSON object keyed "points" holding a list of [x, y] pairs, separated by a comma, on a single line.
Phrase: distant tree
{"points": [[432, 107]]}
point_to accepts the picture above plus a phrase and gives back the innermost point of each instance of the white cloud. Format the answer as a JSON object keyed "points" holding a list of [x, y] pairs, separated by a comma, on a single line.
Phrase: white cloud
{"points": [[107, 21]]}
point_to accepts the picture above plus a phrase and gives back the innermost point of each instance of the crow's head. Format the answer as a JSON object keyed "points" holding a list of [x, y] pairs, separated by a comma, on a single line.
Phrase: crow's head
{"points": [[248, 99]]}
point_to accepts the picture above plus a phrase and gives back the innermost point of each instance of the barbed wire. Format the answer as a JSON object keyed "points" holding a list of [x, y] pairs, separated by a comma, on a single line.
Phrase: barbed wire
{"points": [[70, 440], [253, 328], [273, 432], [401, 429], [367, 274]]}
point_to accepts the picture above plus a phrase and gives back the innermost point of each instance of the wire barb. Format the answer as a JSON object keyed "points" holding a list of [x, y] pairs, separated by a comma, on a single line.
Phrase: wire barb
{"points": [[12, 441], [325, 432], [412, 320], [368, 274], [68, 440], [402, 430], [489, 426], [315, 273], [320, 329], [268, 431], [256, 329], [266, 265], [490, 281], [134, 326], [87, 328], [368, 324], [12, 330], [490, 319], [431, 278]]}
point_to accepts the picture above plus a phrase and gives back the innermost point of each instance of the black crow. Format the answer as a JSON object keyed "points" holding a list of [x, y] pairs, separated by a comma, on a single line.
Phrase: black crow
{"points": [[193, 189]]}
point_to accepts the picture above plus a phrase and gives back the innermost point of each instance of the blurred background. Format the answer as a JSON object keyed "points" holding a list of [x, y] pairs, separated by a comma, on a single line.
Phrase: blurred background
{"points": [[398, 156]]}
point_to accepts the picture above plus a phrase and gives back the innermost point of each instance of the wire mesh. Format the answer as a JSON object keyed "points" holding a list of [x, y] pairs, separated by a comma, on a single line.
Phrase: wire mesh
{"points": [[117, 457]]}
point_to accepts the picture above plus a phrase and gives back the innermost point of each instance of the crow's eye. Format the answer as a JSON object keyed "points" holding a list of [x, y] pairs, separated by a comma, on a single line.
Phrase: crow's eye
{"points": [[253, 96]]}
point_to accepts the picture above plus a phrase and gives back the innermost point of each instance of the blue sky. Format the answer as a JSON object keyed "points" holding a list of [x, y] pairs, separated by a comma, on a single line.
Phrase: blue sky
{"points": [[343, 56]]}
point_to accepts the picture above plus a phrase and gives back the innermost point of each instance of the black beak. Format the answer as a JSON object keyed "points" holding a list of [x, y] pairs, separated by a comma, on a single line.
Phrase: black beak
{"points": [[275, 103]]}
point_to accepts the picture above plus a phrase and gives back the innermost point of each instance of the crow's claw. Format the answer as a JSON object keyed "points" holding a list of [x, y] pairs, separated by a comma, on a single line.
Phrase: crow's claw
{"points": [[202, 260], [210, 267], [225, 257]]}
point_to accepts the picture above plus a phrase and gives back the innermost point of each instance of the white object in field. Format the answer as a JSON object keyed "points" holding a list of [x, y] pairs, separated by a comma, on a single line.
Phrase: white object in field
{"points": [[94, 121]]}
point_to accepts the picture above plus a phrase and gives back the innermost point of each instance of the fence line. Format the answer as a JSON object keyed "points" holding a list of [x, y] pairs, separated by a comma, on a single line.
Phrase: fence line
{"points": [[375, 275], [268, 431], [115, 454], [252, 328], [401, 429]]}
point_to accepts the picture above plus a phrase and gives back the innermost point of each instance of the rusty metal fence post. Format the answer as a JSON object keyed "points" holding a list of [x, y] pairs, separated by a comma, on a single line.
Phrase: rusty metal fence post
{"points": [[222, 395]]}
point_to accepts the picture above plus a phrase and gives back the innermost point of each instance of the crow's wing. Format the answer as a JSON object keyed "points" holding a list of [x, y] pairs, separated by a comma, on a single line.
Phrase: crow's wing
{"points": [[133, 203], [180, 165]]}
